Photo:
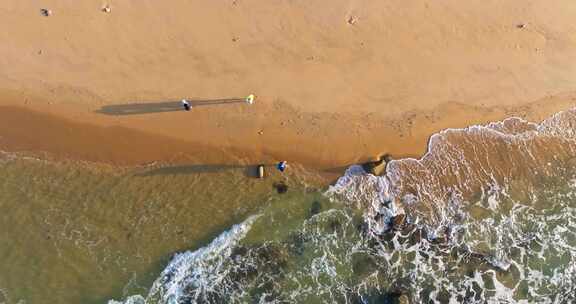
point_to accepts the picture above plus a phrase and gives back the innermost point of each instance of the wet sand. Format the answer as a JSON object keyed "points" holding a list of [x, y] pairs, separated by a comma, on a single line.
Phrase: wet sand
{"points": [[335, 84], [327, 142]]}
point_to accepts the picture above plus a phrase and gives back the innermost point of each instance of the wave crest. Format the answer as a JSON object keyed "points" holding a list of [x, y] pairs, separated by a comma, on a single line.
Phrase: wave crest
{"points": [[462, 165]]}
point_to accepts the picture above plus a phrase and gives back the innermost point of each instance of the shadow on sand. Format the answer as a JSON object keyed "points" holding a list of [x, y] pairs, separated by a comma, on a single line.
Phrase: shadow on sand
{"points": [[337, 170], [159, 107], [249, 170]]}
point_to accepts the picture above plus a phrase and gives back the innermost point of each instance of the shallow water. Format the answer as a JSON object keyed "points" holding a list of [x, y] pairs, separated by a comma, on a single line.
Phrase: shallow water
{"points": [[522, 251], [490, 217], [84, 233]]}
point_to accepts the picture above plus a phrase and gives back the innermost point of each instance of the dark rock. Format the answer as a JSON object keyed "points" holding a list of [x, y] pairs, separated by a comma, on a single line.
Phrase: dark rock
{"points": [[387, 203], [363, 264], [398, 221], [335, 225], [280, 187], [363, 228], [239, 251], [296, 243], [377, 167], [400, 289], [272, 255], [378, 217]]}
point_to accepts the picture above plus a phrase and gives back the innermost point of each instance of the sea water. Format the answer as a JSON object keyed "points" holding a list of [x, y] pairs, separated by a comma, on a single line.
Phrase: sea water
{"points": [[73, 232], [487, 215]]}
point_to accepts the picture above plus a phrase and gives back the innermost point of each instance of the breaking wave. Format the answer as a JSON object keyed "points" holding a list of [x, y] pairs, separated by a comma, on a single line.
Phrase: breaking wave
{"points": [[487, 215], [500, 197], [195, 276]]}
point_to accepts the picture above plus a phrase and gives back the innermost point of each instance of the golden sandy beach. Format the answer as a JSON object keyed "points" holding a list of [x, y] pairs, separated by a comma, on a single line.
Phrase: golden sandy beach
{"points": [[148, 203], [337, 82]]}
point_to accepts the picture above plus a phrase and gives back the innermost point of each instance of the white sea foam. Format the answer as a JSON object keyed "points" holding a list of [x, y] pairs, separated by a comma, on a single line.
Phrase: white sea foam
{"points": [[433, 189], [202, 269], [450, 168], [490, 247]]}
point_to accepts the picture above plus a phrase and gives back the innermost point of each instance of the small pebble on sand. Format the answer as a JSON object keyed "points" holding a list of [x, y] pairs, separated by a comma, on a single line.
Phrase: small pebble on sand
{"points": [[106, 9], [45, 12], [352, 20]]}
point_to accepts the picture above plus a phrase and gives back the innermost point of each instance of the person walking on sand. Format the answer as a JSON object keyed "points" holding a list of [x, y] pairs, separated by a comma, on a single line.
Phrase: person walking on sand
{"points": [[282, 166], [186, 105], [249, 99]]}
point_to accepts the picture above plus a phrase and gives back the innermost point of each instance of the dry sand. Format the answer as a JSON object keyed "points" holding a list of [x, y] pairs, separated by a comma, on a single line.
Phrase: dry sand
{"points": [[337, 82]]}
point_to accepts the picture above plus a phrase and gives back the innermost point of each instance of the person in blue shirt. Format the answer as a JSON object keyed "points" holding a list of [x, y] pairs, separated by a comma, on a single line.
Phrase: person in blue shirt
{"points": [[281, 166], [186, 105]]}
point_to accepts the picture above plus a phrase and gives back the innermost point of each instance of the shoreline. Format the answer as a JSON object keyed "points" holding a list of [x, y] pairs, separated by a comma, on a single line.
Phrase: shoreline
{"points": [[63, 133], [106, 177], [334, 86]]}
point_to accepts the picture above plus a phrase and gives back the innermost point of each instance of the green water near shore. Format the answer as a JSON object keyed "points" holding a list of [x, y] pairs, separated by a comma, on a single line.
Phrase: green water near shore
{"points": [[489, 217], [85, 233], [89, 233]]}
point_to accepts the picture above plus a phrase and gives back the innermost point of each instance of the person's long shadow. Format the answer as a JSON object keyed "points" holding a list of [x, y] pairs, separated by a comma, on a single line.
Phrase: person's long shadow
{"points": [[249, 170], [159, 107]]}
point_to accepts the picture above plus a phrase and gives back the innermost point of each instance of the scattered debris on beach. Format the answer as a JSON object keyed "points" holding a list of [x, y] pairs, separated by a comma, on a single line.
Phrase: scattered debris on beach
{"points": [[107, 9], [521, 25], [260, 173], [352, 20], [45, 12]]}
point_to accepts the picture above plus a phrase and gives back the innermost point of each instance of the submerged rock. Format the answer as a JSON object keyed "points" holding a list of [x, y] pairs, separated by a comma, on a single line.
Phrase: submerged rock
{"points": [[296, 243], [315, 208], [398, 221], [403, 299], [280, 187]]}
